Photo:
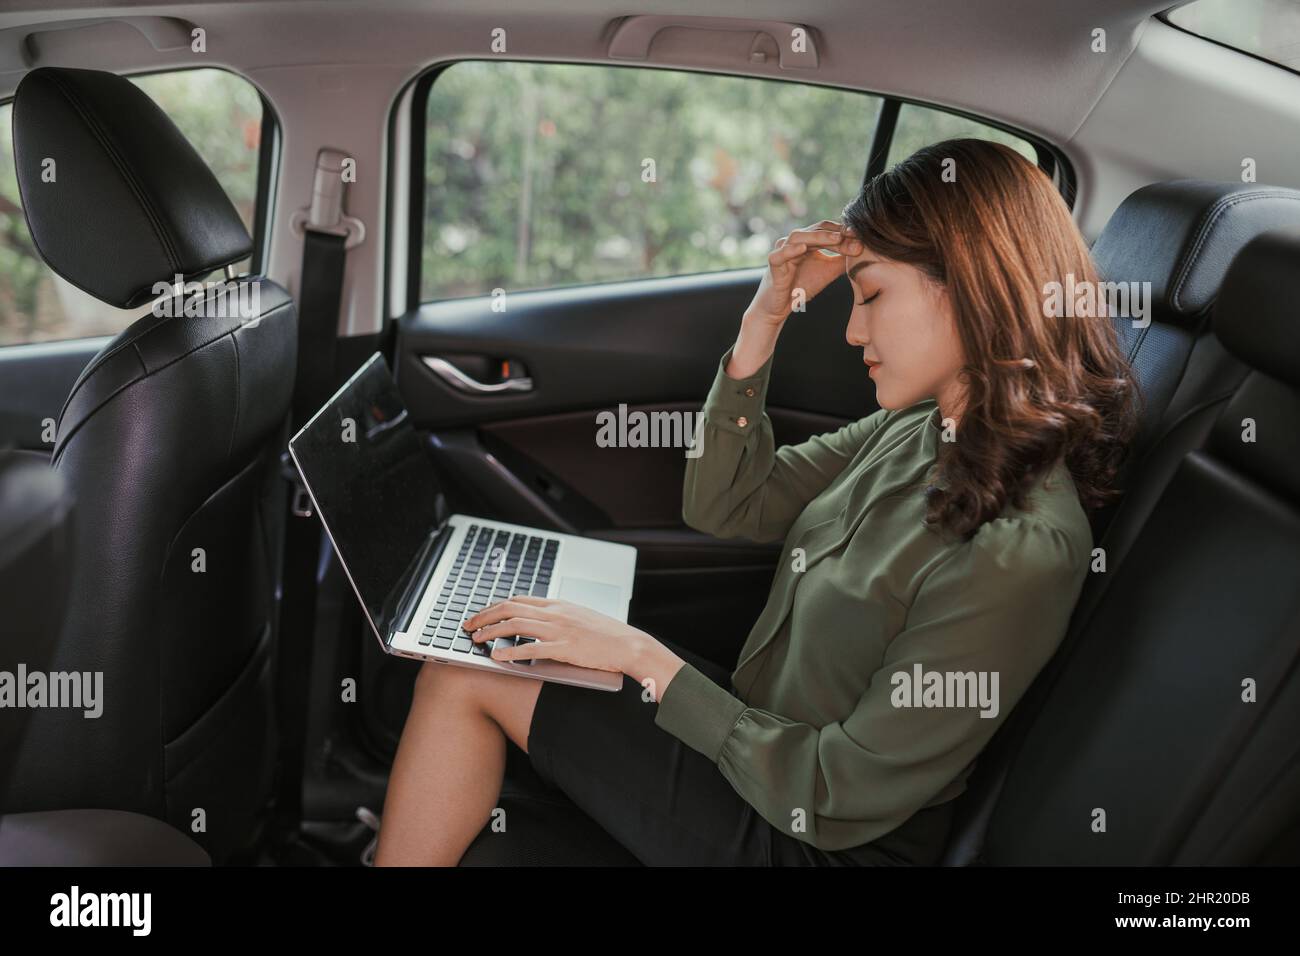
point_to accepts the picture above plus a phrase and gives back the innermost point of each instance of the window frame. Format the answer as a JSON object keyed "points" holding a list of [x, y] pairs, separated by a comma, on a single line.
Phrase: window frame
{"points": [[268, 161], [1051, 159]]}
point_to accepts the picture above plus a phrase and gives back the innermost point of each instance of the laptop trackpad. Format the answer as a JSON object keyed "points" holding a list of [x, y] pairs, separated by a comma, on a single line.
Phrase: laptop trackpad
{"points": [[593, 594]]}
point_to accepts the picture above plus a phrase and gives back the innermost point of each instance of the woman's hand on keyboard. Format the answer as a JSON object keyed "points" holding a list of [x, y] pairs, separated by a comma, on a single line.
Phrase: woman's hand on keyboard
{"points": [[560, 631]]}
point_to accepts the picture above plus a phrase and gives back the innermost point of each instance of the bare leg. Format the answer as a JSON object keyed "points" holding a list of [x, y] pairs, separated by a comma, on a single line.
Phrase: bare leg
{"points": [[447, 774]]}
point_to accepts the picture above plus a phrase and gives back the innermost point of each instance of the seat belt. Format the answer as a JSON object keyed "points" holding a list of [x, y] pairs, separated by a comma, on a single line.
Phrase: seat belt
{"points": [[327, 235]]}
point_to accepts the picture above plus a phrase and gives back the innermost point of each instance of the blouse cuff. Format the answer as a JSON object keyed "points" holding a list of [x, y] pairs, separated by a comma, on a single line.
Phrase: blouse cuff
{"points": [[698, 712], [736, 404]]}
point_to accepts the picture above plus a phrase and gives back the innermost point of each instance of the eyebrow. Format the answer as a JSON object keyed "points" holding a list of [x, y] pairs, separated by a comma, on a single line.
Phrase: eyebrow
{"points": [[860, 265]]}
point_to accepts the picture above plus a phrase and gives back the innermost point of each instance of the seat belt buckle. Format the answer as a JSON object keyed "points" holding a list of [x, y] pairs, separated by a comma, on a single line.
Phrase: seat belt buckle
{"points": [[300, 500]]}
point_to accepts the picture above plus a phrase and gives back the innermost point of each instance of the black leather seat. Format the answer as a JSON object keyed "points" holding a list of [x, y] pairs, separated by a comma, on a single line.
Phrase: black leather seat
{"points": [[1142, 614], [169, 444], [94, 838], [1181, 236], [36, 522]]}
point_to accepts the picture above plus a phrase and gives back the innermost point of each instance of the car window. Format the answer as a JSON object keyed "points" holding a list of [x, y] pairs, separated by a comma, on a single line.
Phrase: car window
{"points": [[544, 175], [1268, 29], [920, 126], [219, 112]]}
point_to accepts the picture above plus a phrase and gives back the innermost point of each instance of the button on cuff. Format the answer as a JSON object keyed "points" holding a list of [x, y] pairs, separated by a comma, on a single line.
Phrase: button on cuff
{"points": [[736, 405]]}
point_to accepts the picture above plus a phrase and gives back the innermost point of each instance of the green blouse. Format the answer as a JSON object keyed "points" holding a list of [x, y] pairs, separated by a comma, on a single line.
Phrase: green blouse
{"points": [[886, 656]]}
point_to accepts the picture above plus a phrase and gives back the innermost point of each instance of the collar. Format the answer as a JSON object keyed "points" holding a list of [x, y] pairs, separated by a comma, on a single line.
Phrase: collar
{"points": [[931, 429]]}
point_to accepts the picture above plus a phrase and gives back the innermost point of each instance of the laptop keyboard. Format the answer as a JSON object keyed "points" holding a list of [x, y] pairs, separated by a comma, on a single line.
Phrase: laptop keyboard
{"points": [[492, 565]]}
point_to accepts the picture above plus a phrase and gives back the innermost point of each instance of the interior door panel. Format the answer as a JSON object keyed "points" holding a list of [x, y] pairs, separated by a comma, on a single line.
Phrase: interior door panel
{"points": [[34, 382]]}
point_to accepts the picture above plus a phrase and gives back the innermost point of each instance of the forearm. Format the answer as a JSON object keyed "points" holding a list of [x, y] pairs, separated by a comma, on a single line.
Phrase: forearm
{"points": [[754, 346]]}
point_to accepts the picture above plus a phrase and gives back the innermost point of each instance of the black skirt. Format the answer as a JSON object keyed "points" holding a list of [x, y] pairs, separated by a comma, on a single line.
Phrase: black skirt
{"points": [[669, 805]]}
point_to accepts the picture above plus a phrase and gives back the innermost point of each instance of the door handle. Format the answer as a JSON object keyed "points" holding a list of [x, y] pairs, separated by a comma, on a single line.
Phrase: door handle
{"points": [[467, 383]]}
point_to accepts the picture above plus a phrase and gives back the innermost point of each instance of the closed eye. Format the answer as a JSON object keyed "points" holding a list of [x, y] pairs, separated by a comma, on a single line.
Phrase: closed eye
{"points": [[872, 299]]}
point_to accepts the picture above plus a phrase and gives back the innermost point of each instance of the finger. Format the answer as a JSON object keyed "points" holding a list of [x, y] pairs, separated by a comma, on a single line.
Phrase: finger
{"points": [[817, 237], [844, 247], [511, 607], [515, 627], [810, 236], [529, 651], [786, 254]]}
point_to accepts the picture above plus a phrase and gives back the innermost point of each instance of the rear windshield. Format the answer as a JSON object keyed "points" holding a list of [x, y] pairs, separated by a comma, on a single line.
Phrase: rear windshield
{"points": [[1268, 29]]}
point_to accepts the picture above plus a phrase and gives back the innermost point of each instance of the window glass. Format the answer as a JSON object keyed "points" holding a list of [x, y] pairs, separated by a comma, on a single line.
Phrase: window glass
{"points": [[541, 175], [920, 126], [1269, 29], [219, 112]]}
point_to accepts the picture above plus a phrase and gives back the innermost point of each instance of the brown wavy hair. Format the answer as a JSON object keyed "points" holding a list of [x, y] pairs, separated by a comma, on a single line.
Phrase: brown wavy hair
{"points": [[1037, 388]]}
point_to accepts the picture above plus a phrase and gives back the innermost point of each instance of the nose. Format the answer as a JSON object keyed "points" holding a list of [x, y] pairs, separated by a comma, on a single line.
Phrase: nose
{"points": [[855, 333]]}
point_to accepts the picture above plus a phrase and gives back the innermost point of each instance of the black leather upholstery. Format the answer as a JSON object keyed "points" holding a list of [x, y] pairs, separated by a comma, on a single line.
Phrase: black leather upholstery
{"points": [[1180, 236], [130, 202], [1256, 286], [94, 838], [36, 523], [169, 444]]}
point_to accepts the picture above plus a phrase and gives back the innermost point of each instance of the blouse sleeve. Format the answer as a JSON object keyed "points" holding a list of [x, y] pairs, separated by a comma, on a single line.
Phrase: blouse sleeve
{"points": [[739, 484], [998, 605]]}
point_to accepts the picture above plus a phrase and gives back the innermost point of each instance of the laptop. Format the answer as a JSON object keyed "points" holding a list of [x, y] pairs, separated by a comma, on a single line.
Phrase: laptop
{"points": [[418, 576]]}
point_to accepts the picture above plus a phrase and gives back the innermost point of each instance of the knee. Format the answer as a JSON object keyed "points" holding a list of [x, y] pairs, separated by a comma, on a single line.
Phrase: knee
{"points": [[429, 676], [451, 682]]}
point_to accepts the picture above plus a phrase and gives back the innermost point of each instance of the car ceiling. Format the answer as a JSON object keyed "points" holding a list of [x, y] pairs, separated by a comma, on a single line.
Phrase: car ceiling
{"points": [[1158, 104], [1027, 59]]}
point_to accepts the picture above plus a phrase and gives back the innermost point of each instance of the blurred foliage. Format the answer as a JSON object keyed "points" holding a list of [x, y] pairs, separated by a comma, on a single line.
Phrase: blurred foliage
{"points": [[535, 171], [219, 112]]}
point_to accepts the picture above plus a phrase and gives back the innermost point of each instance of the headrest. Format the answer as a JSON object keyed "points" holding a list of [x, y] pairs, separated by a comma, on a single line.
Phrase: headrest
{"points": [[1257, 318], [115, 196], [1181, 235]]}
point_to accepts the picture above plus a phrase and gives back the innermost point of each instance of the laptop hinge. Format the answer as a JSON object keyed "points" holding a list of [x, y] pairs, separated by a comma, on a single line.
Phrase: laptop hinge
{"points": [[426, 562]]}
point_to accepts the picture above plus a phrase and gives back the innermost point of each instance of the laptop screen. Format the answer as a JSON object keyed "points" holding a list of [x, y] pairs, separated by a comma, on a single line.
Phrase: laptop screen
{"points": [[374, 486]]}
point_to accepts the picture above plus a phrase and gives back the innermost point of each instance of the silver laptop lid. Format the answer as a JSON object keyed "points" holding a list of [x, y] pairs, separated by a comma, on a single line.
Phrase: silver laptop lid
{"points": [[376, 492]]}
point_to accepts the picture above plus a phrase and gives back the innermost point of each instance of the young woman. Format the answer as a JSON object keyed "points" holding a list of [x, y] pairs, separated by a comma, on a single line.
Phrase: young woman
{"points": [[934, 551]]}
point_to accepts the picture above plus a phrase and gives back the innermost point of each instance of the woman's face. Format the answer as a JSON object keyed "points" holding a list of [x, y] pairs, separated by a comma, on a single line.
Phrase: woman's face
{"points": [[903, 320]]}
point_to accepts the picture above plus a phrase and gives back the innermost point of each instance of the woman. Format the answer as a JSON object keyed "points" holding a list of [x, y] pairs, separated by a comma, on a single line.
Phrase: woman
{"points": [[934, 551]]}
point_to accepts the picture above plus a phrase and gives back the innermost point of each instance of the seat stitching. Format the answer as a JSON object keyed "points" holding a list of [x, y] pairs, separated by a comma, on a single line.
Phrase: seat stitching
{"points": [[1211, 216], [149, 373], [132, 183], [234, 428]]}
